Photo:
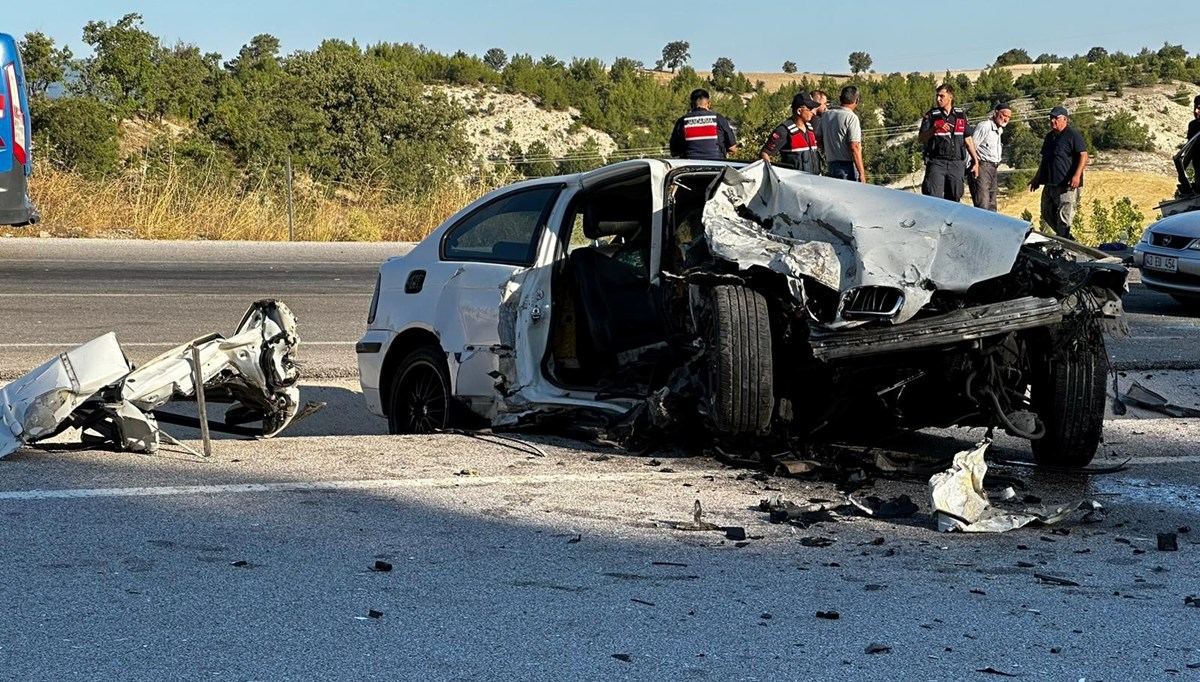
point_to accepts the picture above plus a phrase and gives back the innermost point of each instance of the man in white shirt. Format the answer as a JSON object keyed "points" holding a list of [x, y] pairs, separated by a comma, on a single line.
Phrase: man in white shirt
{"points": [[987, 145]]}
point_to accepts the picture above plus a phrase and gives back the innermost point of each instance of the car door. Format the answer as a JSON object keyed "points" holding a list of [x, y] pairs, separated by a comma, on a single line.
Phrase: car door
{"points": [[530, 311], [490, 246]]}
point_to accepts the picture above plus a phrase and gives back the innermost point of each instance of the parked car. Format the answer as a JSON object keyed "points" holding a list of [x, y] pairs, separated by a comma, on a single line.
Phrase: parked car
{"points": [[744, 301], [16, 142]]}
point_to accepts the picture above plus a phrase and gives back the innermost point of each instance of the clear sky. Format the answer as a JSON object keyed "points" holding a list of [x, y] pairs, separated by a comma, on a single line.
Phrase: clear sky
{"points": [[758, 36]]}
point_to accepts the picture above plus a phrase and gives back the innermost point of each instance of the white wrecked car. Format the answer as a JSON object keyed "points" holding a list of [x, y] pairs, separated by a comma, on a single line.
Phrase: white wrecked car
{"points": [[742, 301], [95, 389]]}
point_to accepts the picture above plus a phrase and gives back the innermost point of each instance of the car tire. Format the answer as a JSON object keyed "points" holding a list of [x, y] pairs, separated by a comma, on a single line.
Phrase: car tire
{"points": [[1068, 391], [741, 371], [421, 401]]}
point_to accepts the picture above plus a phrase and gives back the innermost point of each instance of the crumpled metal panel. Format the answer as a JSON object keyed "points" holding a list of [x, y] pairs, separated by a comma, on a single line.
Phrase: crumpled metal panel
{"points": [[845, 234], [94, 384]]}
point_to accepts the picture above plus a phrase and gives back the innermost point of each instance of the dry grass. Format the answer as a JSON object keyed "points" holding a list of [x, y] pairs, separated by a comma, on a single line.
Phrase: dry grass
{"points": [[1145, 190], [167, 207], [772, 81]]}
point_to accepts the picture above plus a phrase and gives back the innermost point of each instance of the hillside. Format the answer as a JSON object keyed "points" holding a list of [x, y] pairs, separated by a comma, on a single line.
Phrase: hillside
{"points": [[496, 119]]}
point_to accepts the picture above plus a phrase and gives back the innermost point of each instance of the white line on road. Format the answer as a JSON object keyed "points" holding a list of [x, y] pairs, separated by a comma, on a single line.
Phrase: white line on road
{"points": [[147, 344], [369, 484], [182, 293]]}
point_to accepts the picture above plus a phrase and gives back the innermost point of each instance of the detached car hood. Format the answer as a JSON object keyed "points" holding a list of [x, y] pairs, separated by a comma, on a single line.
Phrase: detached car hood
{"points": [[844, 235]]}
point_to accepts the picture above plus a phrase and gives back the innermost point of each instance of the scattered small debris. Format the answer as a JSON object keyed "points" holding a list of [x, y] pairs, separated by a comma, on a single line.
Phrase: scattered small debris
{"points": [[467, 472], [898, 507], [654, 463], [642, 602], [736, 533], [1183, 530], [816, 541], [1191, 600], [1055, 580], [626, 658], [380, 566], [599, 458], [992, 671], [667, 563], [666, 470], [766, 616], [828, 615], [875, 648], [797, 467], [1025, 564], [979, 592], [872, 587], [372, 613], [240, 564], [696, 523], [1167, 542]]}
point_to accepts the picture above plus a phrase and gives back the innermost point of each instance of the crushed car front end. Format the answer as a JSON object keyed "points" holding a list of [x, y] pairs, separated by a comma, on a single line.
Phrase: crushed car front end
{"points": [[887, 310]]}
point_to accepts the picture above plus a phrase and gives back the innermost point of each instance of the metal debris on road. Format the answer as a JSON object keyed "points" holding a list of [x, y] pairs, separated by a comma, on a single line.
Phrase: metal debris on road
{"points": [[1140, 396], [828, 615], [1055, 580], [380, 566], [1168, 542], [94, 388], [960, 501], [898, 507], [696, 524]]}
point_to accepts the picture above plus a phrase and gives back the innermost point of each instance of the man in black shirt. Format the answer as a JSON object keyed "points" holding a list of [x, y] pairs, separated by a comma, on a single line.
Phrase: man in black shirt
{"points": [[1064, 156], [794, 140], [702, 133]]}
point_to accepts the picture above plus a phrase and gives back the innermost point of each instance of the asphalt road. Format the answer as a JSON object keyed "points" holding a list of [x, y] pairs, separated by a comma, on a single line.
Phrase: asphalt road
{"points": [[540, 558]]}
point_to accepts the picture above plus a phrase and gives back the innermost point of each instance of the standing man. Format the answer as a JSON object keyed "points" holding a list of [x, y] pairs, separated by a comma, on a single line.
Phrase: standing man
{"points": [[822, 99], [839, 134], [794, 140], [1064, 156], [702, 133], [945, 131], [987, 144], [1188, 187]]}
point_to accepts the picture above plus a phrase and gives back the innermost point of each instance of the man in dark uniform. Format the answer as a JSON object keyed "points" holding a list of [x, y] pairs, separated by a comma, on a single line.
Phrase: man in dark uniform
{"points": [[794, 140], [946, 133], [702, 133]]}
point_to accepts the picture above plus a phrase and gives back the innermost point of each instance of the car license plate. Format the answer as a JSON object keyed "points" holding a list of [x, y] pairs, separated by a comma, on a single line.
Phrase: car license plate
{"points": [[1164, 263]]}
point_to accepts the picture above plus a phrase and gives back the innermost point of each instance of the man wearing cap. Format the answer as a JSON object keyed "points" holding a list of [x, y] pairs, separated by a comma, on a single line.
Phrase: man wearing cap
{"points": [[945, 132], [793, 140], [1064, 156], [702, 133], [987, 144]]}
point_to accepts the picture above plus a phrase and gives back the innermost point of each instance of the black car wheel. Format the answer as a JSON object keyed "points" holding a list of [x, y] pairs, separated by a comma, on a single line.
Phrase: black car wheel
{"points": [[1068, 390], [741, 371], [1190, 302], [420, 397]]}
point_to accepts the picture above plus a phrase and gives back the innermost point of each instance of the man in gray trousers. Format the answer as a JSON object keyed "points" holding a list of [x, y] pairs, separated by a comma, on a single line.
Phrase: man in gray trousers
{"points": [[987, 144]]}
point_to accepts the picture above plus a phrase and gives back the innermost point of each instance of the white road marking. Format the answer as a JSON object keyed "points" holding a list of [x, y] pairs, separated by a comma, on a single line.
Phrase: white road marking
{"points": [[148, 344], [189, 294], [369, 484]]}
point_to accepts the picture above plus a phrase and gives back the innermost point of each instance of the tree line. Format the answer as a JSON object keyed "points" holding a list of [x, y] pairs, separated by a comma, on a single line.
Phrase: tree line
{"points": [[343, 112]]}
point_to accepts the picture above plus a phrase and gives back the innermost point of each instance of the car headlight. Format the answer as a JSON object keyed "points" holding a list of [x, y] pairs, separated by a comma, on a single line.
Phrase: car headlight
{"points": [[1195, 245]]}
